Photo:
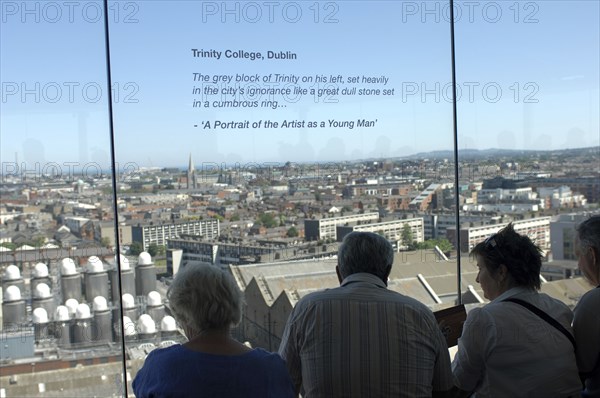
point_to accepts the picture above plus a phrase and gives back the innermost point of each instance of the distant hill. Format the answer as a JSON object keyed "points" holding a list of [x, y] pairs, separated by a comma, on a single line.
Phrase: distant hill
{"points": [[464, 154], [495, 152]]}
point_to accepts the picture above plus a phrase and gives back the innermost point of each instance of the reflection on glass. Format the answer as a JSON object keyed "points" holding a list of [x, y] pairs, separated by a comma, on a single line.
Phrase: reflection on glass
{"points": [[254, 136], [56, 235], [264, 133], [528, 131]]}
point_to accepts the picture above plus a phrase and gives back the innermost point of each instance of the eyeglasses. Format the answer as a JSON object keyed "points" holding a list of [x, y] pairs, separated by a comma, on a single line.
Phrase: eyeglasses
{"points": [[491, 242]]}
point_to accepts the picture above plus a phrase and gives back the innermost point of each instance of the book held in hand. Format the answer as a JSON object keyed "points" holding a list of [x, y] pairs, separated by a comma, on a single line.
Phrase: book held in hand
{"points": [[451, 322]]}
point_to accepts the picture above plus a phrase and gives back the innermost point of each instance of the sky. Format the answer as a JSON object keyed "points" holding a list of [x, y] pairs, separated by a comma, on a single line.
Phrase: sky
{"points": [[527, 73]]}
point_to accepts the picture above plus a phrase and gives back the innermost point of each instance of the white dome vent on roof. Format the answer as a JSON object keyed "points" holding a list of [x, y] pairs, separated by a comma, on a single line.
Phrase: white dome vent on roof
{"points": [[168, 324], [67, 267], [12, 273], [83, 312], [146, 325], [62, 313], [12, 293], [154, 299], [124, 263], [94, 265], [144, 258], [128, 301], [100, 304], [129, 326], [40, 270], [42, 291], [72, 305], [40, 315]]}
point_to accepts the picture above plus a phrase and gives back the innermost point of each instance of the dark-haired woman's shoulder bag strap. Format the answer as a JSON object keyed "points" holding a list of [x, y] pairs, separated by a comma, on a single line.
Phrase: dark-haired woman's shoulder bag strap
{"points": [[545, 317]]}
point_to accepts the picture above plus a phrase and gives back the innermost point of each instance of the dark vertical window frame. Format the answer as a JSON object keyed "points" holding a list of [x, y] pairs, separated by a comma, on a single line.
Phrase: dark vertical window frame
{"points": [[456, 172], [114, 192]]}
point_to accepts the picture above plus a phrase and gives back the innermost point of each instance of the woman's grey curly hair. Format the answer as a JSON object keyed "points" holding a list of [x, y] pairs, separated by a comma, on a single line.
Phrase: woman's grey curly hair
{"points": [[204, 297]]}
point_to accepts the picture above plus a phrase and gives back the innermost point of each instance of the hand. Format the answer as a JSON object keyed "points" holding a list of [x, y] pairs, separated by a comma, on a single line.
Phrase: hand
{"points": [[445, 328]]}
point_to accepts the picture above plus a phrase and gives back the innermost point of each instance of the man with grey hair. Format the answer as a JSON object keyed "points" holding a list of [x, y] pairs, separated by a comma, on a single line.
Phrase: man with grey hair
{"points": [[361, 339]]}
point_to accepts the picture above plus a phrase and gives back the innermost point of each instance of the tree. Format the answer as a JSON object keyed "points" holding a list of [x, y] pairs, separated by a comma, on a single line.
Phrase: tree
{"points": [[268, 220], [443, 243], [8, 245], [136, 248], [38, 241], [153, 249], [105, 242], [292, 232], [407, 235]]}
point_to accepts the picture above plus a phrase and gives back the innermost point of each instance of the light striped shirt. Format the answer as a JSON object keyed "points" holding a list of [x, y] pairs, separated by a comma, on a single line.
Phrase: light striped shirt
{"points": [[508, 351], [363, 340]]}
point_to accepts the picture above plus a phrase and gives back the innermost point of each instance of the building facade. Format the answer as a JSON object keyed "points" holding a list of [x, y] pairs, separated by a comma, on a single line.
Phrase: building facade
{"points": [[392, 230], [538, 229], [159, 234], [325, 228]]}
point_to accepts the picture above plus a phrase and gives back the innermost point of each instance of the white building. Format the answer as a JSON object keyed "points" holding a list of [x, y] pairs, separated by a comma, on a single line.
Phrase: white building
{"points": [[562, 233], [325, 228], [392, 230], [538, 229], [159, 233], [562, 197], [512, 208]]}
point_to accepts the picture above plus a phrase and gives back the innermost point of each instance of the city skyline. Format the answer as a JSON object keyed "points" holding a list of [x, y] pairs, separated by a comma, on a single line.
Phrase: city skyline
{"points": [[470, 158]]}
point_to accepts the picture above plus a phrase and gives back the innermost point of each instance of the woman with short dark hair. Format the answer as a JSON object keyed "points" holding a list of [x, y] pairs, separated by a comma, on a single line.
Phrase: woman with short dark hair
{"points": [[586, 322], [518, 345], [207, 302]]}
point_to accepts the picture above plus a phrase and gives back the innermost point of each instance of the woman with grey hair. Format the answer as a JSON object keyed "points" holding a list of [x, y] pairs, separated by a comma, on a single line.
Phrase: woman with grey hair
{"points": [[207, 302], [586, 322]]}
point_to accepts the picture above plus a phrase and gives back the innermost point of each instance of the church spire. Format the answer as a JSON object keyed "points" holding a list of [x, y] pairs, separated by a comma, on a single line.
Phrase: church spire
{"points": [[191, 164], [191, 175]]}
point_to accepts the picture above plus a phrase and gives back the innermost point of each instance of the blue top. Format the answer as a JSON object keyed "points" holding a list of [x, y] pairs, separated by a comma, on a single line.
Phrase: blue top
{"points": [[177, 371]]}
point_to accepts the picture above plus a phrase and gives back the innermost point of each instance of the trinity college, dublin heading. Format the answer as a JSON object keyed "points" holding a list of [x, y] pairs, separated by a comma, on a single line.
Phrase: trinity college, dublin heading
{"points": [[243, 54]]}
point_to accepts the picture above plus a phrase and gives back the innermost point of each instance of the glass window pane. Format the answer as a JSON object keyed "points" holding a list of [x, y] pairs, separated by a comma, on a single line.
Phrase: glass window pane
{"points": [[528, 129], [56, 212], [265, 132]]}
